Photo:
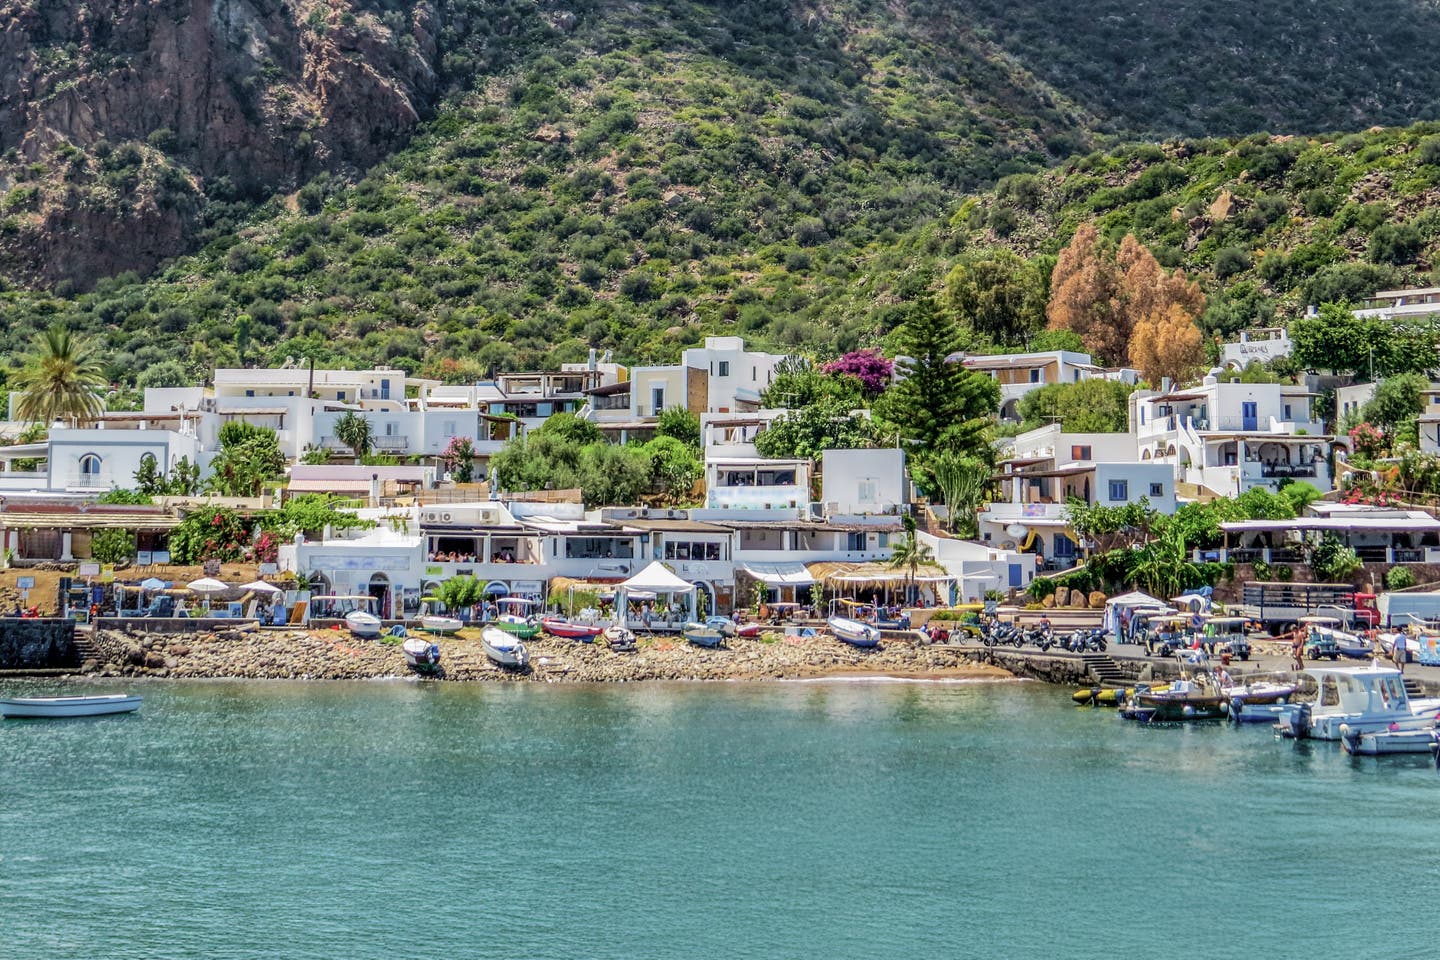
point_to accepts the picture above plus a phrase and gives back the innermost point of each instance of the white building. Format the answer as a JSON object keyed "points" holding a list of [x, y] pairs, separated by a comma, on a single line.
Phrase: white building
{"points": [[91, 460], [1230, 437], [722, 377], [1048, 469], [1021, 373], [1263, 344], [1349, 401]]}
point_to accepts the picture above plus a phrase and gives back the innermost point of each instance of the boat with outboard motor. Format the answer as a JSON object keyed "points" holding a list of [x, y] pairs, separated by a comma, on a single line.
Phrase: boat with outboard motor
{"points": [[421, 654], [505, 648], [848, 628], [703, 635], [1358, 700], [516, 617]]}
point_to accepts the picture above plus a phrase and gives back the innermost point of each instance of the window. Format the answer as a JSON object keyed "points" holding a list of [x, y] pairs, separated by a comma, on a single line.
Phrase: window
{"points": [[1142, 414], [448, 428], [691, 551], [384, 389], [392, 429], [1157, 489], [90, 465], [249, 393], [340, 395], [1287, 411], [855, 541], [1078, 452], [724, 368], [657, 400], [1034, 376], [148, 462], [1077, 376], [1119, 489], [868, 491]]}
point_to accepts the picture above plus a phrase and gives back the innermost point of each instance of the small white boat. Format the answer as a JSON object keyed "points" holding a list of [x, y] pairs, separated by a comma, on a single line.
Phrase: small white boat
{"points": [[702, 635], [421, 654], [354, 610], [363, 624], [620, 639], [431, 620], [854, 632], [1259, 691], [504, 648], [1379, 743], [69, 706]]}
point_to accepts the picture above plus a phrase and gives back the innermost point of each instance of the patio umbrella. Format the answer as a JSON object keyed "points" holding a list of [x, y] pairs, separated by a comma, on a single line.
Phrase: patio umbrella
{"points": [[153, 583], [208, 585], [259, 586]]}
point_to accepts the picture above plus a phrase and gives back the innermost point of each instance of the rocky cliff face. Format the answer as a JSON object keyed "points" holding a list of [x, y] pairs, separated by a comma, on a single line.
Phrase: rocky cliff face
{"points": [[119, 119]]}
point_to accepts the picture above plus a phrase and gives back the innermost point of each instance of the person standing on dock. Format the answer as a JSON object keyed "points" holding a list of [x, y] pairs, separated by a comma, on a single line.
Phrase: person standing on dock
{"points": [[1297, 649]]}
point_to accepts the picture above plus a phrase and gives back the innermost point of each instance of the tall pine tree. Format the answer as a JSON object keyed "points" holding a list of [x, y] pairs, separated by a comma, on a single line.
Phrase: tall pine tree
{"points": [[938, 405]]}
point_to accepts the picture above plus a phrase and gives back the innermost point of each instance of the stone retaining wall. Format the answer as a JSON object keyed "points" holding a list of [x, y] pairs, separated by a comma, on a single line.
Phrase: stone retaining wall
{"points": [[37, 644]]}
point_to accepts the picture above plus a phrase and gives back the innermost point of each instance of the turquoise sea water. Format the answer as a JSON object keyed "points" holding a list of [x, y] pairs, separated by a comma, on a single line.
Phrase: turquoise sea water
{"points": [[826, 819]]}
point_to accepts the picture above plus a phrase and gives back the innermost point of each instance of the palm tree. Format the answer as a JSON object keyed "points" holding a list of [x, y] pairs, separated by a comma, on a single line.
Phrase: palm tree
{"points": [[354, 431], [910, 554], [61, 380]]}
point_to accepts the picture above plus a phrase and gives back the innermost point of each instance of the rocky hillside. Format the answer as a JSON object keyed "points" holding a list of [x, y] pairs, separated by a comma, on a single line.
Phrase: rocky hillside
{"points": [[630, 174], [1268, 225], [127, 127]]}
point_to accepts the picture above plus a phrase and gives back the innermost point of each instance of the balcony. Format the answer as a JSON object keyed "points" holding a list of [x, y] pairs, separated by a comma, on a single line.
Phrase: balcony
{"points": [[1005, 511], [384, 444], [103, 480], [756, 498]]}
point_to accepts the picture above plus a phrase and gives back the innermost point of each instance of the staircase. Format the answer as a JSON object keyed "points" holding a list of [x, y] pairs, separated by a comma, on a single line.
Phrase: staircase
{"points": [[85, 647], [1102, 668], [1413, 688]]}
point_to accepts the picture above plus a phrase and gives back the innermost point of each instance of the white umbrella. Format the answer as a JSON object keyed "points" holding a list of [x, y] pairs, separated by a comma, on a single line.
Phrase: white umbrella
{"points": [[260, 586], [208, 585], [153, 583]]}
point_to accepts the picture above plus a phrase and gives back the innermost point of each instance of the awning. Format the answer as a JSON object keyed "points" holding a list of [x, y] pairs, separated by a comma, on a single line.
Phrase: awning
{"points": [[876, 573], [780, 574], [559, 585], [361, 487]]}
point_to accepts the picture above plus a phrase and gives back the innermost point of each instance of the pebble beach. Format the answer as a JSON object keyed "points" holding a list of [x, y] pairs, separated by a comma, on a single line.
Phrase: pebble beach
{"points": [[336, 655]]}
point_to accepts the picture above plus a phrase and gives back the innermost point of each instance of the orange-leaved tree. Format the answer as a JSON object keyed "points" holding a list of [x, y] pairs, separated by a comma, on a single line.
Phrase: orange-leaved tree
{"points": [[1085, 296], [1167, 343], [1105, 295]]}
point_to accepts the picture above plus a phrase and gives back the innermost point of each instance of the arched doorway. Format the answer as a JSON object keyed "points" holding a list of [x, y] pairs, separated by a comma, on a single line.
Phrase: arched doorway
{"points": [[379, 588]]}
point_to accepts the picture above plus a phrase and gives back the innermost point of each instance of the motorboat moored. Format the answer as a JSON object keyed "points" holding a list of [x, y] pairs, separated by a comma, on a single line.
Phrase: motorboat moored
{"points": [[1381, 743], [570, 630], [55, 707], [516, 617], [421, 654], [854, 632], [621, 640], [702, 635], [1370, 699], [504, 648]]}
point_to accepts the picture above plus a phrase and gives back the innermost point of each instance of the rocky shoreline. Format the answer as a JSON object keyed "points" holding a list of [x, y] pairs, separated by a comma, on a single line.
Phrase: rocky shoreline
{"points": [[336, 655]]}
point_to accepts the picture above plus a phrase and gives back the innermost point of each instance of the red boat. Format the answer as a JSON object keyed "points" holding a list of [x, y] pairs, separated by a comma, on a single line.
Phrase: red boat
{"points": [[747, 630], [585, 632]]}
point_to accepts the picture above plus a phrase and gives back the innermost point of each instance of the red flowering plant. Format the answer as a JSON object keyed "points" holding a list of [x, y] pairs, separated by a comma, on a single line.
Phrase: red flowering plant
{"points": [[1368, 441]]}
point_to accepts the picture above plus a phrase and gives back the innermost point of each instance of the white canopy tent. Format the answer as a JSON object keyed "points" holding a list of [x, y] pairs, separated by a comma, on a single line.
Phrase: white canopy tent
{"points": [[655, 581]]}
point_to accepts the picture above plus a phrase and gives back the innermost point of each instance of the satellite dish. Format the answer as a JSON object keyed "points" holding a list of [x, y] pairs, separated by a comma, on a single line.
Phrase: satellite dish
{"points": [[1016, 530]]}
